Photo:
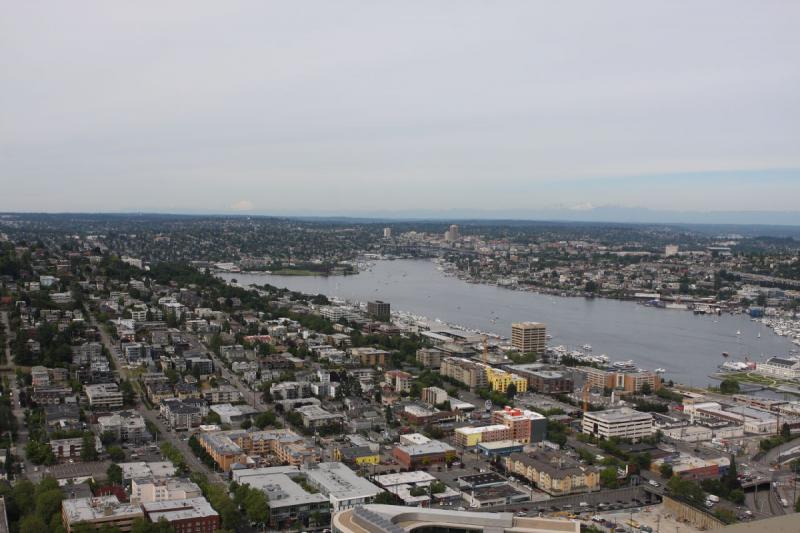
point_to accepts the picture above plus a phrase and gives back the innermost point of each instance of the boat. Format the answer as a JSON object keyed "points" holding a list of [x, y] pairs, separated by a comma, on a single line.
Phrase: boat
{"points": [[725, 354], [587, 347], [738, 332], [660, 370], [759, 335]]}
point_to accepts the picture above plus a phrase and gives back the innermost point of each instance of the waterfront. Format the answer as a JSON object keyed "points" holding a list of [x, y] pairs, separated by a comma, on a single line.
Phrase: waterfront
{"points": [[689, 347]]}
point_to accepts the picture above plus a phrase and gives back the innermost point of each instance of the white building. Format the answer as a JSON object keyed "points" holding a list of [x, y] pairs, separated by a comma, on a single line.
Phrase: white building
{"points": [[624, 423], [103, 396], [159, 490], [780, 367]]}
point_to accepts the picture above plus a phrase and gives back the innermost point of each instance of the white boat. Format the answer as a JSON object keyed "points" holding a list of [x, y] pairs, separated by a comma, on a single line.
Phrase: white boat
{"points": [[587, 347], [738, 332], [660, 370]]}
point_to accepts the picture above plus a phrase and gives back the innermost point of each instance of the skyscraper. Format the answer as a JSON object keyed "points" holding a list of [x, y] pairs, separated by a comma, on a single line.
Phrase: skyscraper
{"points": [[528, 337]]}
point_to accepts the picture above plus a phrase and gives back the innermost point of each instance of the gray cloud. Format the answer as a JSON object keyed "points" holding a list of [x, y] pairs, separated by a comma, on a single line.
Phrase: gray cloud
{"points": [[415, 104]]}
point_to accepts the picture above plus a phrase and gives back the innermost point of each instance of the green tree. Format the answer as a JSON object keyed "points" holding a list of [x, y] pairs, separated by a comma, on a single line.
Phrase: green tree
{"points": [[25, 496], [116, 453], [666, 470], [730, 480], [608, 478], [48, 503], [729, 386], [511, 391], [114, 474], [387, 498], [32, 524], [88, 450], [646, 389]]}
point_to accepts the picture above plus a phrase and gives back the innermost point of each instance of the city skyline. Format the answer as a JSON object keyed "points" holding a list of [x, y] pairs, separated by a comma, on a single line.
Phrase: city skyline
{"points": [[352, 110]]}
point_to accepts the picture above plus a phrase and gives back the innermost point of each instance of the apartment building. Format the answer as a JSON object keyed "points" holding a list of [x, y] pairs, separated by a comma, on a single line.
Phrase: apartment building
{"points": [[500, 380], [631, 382], [525, 426], [554, 473], [470, 373]]}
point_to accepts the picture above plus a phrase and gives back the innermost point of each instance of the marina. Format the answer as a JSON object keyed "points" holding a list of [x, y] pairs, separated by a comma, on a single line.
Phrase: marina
{"points": [[687, 346]]}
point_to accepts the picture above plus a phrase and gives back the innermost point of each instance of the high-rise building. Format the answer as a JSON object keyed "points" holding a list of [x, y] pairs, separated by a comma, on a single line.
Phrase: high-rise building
{"points": [[387, 233], [529, 337], [452, 234], [379, 310]]}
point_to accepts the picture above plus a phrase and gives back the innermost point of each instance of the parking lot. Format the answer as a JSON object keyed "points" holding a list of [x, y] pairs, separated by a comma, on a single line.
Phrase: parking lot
{"points": [[655, 517]]}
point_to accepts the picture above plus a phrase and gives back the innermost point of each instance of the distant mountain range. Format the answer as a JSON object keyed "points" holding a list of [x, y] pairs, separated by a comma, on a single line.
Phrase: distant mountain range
{"points": [[637, 215]]}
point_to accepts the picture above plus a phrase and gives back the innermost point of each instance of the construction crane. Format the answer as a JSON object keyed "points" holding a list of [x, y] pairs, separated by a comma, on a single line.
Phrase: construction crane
{"points": [[585, 398]]}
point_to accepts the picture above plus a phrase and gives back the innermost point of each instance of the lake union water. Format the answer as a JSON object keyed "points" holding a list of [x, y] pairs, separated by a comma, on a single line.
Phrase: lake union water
{"points": [[688, 346]]}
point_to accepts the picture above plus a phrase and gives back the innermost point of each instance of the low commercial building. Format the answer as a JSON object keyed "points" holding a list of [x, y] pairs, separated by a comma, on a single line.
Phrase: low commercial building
{"points": [[315, 416], [554, 473], [500, 448], [233, 414], [430, 452], [693, 468], [337, 485], [99, 512], [469, 437], [103, 396], [194, 515], [341, 485], [357, 455], [752, 420], [625, 423]]}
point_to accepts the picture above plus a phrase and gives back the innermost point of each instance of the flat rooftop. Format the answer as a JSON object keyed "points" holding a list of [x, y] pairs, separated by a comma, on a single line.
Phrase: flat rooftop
{"points": [[403, 478], [179, 509], [88, 509], [338, 481], [623, 414]]}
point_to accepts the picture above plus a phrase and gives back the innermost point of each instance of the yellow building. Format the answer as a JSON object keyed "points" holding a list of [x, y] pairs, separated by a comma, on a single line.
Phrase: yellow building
{"points": [[499, 380], [357, 455]]}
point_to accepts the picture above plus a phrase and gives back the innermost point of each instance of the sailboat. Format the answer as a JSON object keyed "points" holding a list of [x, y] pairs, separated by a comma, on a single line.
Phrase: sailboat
{"points": [[759, 334], [738, 332]]}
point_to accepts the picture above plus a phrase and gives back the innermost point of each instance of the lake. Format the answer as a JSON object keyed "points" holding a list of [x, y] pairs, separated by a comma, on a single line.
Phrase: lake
{"points": [[688, 346]]}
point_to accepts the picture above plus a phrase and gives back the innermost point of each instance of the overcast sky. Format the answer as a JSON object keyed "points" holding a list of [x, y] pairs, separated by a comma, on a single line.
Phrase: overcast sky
{"points": [[339, 106]]}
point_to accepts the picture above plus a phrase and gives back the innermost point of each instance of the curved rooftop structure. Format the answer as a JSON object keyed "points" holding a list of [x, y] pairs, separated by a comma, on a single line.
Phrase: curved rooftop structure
{"points": [[375, 518]]}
